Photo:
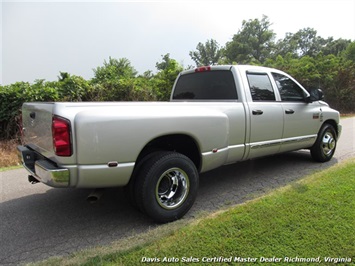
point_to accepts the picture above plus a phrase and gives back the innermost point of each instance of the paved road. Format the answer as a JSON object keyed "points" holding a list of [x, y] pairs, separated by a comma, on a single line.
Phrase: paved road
{"points": [[37, 221]]}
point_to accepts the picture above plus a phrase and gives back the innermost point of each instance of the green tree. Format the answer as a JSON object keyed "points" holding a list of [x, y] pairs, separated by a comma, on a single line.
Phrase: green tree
{"points": [[335, 47], [334, 75], [306, 42], [11, 99], [143, 89], [113, 80], [73, 88], [286, 46], [252, 44], [207, 54], [114, 69], [349, 52], [165, 78]]}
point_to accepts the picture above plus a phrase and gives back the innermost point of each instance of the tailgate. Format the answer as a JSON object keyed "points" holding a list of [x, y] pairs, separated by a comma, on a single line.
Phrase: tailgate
{"points": [[37, 127]]}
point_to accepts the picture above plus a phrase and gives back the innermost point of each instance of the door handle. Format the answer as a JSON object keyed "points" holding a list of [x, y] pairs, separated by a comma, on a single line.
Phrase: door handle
{"points": [[289, 111], [257, 112]]}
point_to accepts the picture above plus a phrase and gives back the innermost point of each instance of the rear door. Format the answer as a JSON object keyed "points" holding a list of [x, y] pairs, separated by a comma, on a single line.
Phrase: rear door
{"points": [[266, 116]]}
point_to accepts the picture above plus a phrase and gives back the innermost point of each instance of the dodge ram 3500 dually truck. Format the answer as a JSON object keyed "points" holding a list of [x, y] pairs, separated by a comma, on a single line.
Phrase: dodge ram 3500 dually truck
{"points": [[217, 115]]}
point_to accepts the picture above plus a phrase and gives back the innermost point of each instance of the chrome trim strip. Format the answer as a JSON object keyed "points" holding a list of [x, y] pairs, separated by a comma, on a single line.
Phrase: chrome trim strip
{"points": [[236, 146], [263, 144], [299, 139], [219, 150], [105, 166]]}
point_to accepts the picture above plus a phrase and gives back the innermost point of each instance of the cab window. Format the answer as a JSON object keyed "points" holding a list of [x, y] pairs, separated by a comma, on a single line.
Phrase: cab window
{"points": [[209, 85], [289, 90], [260, 87]]}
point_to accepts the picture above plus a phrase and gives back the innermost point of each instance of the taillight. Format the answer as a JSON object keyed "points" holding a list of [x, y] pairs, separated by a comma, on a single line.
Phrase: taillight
{"points": [[61, 136], [203, 69]]}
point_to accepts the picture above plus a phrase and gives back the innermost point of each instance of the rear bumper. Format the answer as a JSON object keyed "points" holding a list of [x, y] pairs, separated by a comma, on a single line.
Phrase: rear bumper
{"points": [[43, 169]]}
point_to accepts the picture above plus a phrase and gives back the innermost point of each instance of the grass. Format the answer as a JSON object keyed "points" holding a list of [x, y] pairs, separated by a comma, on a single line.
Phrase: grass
{"points": [[312, 219], [8, 154]]}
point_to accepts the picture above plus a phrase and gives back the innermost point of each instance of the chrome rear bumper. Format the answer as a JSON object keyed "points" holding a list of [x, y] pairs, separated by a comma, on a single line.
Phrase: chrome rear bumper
{"points": [[43, 169]]}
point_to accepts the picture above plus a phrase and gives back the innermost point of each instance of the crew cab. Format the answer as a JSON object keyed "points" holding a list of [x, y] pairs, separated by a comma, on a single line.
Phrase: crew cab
{"points": [[217, 115]]}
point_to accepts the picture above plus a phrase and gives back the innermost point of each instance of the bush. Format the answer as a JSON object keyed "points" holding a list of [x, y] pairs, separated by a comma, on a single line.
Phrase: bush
{"points": [[11, 99], [117, 80]]}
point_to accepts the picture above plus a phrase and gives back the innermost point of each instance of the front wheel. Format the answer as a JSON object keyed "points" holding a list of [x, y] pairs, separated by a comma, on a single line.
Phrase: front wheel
{"points": [[325, 145], [166, 186]]}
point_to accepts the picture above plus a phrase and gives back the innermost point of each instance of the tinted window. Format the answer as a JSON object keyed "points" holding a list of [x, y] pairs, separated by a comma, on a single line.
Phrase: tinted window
{"points": [[288, 89], [209, 85], [260, 87]]}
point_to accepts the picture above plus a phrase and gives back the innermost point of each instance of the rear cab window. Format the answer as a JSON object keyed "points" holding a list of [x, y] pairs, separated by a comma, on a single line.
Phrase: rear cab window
{"points": [[206, 85]]}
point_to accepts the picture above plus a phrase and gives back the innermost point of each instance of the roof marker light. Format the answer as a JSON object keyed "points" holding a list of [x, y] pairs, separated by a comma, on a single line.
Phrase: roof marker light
{"points": [[203, 69]]}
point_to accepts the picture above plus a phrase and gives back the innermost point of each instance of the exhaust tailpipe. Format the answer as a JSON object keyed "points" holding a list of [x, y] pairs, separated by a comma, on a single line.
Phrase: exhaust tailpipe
{"points": [[32, 179], [95, 195]]}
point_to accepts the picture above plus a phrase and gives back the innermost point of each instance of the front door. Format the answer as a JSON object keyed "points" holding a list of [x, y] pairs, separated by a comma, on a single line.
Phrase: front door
{"points": [[301, 119]]}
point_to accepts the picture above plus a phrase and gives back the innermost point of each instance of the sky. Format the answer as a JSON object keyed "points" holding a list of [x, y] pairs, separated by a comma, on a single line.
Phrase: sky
{"points": [[40, 39]]}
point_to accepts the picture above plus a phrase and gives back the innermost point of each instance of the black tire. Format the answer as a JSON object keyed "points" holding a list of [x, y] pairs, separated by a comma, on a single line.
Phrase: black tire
{"points": [[325, 145], [166, 186], [130, 189]]}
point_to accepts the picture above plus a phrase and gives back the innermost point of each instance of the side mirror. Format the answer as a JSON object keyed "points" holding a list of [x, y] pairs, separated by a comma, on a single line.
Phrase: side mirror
{"points": [[315, 95]]}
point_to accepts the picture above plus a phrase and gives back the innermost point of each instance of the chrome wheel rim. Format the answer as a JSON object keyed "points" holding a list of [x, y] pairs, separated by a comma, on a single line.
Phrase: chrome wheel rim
{"points": [[328, 143], [172, 188]]}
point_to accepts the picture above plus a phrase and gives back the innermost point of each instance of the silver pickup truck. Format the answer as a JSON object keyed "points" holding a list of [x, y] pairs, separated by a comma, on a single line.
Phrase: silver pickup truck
{"points": [[217, 115]]}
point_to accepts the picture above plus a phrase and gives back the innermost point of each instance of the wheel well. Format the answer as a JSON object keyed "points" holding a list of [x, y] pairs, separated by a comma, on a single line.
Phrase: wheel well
{"points": [[183, 144], [334, 124]]}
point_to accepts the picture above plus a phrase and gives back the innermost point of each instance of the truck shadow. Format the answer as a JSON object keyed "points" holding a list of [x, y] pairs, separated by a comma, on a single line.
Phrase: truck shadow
{"points": [[61, 221], [237, 183]]}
